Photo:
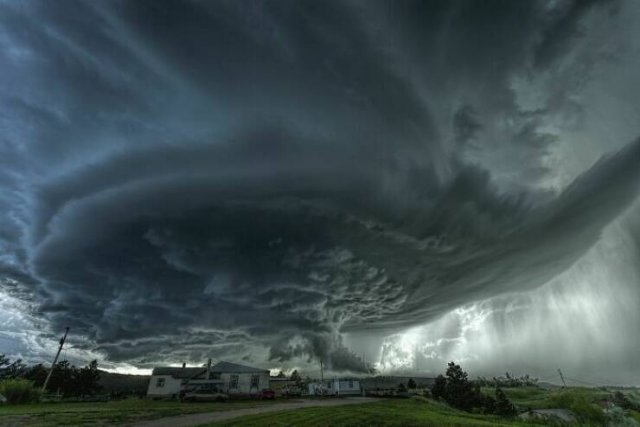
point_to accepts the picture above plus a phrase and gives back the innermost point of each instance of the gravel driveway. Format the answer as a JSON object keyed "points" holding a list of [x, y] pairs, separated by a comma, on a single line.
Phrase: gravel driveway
{"points": [[210, 417]]}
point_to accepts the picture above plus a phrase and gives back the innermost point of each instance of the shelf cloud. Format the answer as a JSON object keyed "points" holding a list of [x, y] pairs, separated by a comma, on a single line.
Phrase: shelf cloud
{"points": [[258, 180]]}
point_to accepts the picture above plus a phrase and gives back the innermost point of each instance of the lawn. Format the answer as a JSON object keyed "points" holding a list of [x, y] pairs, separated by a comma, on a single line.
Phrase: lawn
{"points": [[108, 413], [536, 398], [391, 412], [524, 397]]}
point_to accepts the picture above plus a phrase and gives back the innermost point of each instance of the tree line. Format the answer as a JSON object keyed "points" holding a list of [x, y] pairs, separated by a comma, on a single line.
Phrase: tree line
{"points": [[508, 380], [66, 379]]}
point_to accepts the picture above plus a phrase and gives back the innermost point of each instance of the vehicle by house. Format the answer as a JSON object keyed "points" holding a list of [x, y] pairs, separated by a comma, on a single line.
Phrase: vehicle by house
{"points": [[291, 391], [284, 386], [229, 378], [336, 387], [204, 391], [266, 394]]}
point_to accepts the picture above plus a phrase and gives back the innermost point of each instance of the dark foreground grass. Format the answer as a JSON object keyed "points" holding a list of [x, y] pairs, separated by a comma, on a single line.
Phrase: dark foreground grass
{"points": [[391, 412], [107, 413]]}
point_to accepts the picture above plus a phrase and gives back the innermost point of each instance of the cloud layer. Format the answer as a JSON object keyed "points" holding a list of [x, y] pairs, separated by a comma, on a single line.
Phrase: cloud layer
{"points": [[252, 180]]}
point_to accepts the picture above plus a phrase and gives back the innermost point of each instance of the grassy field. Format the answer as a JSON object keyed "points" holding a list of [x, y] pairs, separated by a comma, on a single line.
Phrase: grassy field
{"points": [[391, 412], [537, 398], [425, 412], [107, 413]]}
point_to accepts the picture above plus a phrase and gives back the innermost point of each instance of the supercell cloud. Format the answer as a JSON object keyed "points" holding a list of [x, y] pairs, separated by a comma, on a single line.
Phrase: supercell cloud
{"points": [[279, 182]]}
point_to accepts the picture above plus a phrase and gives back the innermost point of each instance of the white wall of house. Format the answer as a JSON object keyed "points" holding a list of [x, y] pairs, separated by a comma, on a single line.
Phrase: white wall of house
{"points": [[241, 383], [346, 386], [163, 386], [336, 387]]}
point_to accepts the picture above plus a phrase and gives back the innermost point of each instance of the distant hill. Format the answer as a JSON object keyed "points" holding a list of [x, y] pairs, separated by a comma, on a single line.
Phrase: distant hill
{"points": [[123, 383], [383, 382]]}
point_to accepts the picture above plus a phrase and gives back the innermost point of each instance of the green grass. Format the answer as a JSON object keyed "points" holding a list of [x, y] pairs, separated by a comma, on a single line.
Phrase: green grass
{"points": [[538, 398], [391, 412], [106, 413], [524, 397]]}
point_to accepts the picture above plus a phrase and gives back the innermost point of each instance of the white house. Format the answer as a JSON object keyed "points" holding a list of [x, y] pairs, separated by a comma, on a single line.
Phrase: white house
{"points": [[336, 387], [234, 379]]}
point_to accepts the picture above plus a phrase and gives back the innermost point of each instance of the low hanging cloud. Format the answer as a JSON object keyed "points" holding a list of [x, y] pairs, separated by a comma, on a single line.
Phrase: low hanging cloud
{"points": [[252, 180]]}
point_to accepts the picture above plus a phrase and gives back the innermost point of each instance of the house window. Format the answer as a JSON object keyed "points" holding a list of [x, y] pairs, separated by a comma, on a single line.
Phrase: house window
{"points": [[160, 382], [255, 381], [214, 376], [350, 383], [233, 381]]}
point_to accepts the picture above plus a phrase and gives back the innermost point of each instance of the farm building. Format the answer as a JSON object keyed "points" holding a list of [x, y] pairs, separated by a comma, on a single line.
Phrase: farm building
{"points": [[234, 379], [336, 387]]}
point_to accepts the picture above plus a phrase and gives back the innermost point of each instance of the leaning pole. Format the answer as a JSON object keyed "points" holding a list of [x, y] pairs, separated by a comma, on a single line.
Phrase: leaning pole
{"points": [[46, 381]]}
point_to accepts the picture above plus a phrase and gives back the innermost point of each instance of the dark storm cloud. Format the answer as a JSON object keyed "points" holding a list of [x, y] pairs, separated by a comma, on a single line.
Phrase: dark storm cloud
{"points": [[193, 178]]}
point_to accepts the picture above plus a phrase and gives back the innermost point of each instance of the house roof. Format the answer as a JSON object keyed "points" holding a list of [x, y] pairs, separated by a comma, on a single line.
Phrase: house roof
{"points": [[228, 367], [179, 372], [220, 367]]}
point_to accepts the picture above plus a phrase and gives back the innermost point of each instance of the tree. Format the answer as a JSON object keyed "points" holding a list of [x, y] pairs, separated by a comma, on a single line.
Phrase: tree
{"points": [[411, 384], [86, 379], [504, 407], [281, 375], [488, 405], [63, 378], [459, 391], [439, 387], [9, 369], [295, 376], [37, 374]]}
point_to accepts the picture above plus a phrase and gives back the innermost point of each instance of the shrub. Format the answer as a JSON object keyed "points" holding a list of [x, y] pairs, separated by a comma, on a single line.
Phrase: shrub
{"points": [[19, 391], [581, 406], [503, 406]]}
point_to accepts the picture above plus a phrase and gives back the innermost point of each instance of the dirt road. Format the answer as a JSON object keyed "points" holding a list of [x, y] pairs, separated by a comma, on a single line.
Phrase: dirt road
{"points": [[193, 420]]}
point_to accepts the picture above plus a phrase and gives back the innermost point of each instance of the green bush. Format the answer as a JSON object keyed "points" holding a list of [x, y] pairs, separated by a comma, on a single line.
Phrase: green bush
{"points": [[19, 391], [581, 405]]}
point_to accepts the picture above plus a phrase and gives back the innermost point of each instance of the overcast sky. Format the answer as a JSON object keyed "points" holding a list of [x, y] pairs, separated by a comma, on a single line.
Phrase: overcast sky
{"points": [[278, 182]]}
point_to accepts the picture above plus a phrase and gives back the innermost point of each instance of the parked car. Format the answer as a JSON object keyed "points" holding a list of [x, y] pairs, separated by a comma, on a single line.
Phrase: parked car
{"points": [[203, 392], [267, 394]]}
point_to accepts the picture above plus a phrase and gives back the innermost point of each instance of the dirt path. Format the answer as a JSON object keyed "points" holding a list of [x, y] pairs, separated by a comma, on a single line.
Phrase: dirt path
{"points": [[193, 420]]}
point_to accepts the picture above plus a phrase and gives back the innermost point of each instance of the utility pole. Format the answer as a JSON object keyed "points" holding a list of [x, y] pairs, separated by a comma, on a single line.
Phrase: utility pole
{"points": [[53, 365], [321, 379], [562, 377]]}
